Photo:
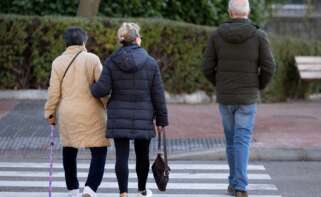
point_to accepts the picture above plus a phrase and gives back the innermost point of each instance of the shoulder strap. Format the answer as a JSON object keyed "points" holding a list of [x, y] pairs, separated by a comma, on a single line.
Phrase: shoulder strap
{"points": [[73, 59]]}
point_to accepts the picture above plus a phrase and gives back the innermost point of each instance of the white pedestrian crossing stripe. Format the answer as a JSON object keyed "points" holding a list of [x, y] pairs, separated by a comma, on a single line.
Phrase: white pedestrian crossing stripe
{"points": [[133, 185], [131, 166], [42, 194], [186, 180], [133, 175]]}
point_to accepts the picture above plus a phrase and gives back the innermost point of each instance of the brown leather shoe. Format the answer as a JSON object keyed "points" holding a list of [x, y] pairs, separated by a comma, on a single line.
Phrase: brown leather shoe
{"points": [[230, 190], [241, 194]]}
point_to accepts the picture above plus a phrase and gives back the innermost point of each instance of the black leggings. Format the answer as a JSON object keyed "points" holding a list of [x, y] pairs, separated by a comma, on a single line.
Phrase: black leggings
{"points": [[142, 162], [96, 170]]}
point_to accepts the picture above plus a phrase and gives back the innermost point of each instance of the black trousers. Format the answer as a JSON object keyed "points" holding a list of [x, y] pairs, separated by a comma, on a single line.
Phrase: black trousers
{"points": [[96, 170], [142, 162]]}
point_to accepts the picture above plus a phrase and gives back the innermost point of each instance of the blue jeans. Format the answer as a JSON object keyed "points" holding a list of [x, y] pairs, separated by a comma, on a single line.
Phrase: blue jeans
{"points": [[238, 123]]}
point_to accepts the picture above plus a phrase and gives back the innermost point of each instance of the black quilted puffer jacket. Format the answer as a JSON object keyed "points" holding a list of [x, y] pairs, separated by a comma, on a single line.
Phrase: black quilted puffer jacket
{"points": [[132, 79]]}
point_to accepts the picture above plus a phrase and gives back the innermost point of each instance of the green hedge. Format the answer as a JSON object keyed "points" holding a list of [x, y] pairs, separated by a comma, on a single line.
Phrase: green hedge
{"points": [[205, 12], [286, 83], [29, 45]]}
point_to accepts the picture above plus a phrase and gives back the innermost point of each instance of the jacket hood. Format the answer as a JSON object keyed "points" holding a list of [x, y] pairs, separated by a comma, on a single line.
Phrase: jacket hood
{"points": [[130, 58], [237, 30]]}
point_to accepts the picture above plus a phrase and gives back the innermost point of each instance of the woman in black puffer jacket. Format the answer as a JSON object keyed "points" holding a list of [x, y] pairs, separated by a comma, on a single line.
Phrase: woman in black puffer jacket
{"points": [[132, 78]]}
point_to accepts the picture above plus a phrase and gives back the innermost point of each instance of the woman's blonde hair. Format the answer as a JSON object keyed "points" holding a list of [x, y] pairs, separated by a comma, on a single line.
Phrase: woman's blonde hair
{"points": [[128, 32]]}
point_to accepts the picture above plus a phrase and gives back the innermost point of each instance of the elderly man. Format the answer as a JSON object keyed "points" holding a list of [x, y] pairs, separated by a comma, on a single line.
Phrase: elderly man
{"points": [[239, 62]]}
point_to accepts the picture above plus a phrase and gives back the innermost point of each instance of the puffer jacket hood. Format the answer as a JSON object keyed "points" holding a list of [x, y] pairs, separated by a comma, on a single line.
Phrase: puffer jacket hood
{"points": [[130, 58], [237, 31]]}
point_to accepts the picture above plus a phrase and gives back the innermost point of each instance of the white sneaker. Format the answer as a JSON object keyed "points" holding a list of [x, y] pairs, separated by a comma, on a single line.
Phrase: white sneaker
{"points": [[88, 192], [74, 193], [147, 193]]}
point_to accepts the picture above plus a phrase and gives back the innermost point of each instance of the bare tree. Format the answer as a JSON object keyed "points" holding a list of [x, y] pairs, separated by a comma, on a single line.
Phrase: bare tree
{"points": [[314, 6], [317, 4], [88, 8]]}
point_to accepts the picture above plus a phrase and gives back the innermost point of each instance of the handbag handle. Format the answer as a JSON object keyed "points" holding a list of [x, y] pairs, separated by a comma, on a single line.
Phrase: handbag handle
{"points": [[164, 145]]}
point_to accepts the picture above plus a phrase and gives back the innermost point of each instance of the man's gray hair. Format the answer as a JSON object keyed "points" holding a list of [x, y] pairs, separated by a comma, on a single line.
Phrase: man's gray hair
{"points": [[240, 7]]}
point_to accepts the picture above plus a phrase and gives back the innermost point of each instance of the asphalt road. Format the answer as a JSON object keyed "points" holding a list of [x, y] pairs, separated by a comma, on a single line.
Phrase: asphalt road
{"points": [[296, 179], [188, 178]]}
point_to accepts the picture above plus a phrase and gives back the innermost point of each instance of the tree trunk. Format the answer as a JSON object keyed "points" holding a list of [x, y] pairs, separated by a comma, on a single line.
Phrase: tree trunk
{"points": [[88, 8], [317, 5]]}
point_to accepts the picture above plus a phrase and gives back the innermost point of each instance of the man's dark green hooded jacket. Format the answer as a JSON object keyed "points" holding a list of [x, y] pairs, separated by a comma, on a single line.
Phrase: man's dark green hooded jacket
{"points": [[239, 62]]}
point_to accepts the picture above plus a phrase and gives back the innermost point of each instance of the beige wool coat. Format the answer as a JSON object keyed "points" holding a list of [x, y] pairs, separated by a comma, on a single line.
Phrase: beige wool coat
{"points": [[81, 117]]}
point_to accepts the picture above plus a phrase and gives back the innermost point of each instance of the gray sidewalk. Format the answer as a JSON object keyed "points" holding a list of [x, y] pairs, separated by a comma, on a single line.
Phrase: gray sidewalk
{"points": [[289, 131], [25, 133]]}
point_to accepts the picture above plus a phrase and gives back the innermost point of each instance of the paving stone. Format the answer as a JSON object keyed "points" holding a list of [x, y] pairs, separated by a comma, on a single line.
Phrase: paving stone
{"points": [[24, 128]]}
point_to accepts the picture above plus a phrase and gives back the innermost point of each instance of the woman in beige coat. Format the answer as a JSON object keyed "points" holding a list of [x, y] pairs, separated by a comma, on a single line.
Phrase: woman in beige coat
{"points": [[82, 118]]}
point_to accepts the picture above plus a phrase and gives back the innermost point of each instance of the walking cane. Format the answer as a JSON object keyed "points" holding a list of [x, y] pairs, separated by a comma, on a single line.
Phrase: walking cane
{"points": [[52, 143]]}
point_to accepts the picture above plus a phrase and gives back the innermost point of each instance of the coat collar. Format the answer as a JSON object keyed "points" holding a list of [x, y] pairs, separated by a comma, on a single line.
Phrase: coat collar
{"points": [[130, 46], [239, 20], [74, 49]]}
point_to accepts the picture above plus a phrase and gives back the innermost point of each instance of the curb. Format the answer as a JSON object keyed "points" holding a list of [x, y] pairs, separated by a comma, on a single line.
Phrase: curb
{"points": [[198, 97], [193, 98], [23, 94], [257, 154]]}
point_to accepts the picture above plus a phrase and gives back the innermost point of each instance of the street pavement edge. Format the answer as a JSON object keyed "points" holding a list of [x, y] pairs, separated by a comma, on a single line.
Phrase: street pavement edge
{"points": [[257, 154], [198, 97], [218, 154]]}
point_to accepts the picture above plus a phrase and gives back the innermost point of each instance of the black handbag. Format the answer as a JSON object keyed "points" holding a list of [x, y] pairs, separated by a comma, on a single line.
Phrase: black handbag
{"points": [[160, 166]]}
